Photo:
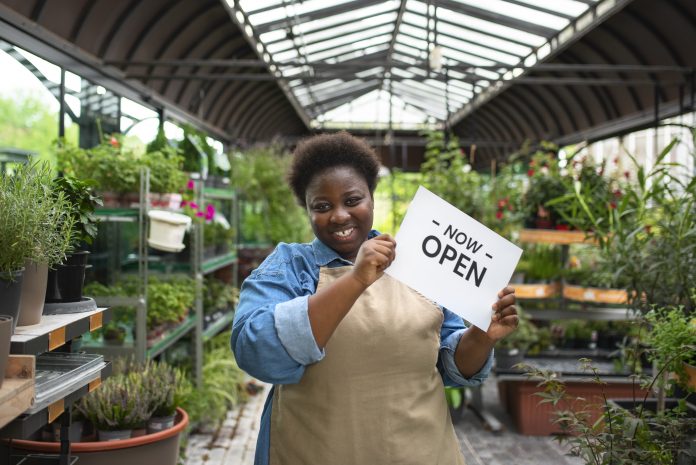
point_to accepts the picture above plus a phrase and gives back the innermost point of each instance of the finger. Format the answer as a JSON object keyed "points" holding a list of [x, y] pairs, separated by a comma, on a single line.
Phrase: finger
{"points": [[391, 244], [505, 291], [383, 250], [505, 312], [385, 237], [506, 301], [512, 321]]}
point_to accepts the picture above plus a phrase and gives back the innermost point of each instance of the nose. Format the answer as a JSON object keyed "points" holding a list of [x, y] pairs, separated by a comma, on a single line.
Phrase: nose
{"points": [[340, 215]]}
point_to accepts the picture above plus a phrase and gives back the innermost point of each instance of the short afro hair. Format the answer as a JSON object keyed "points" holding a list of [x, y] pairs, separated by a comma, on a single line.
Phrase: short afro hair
{"points": [[318, 153]]}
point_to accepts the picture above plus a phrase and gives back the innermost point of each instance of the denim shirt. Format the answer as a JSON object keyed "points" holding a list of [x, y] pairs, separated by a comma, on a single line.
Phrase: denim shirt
{"points": [[272, 338]]}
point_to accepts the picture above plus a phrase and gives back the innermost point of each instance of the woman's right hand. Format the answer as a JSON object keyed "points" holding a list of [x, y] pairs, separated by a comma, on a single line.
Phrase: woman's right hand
{"points": [[374, 256]]}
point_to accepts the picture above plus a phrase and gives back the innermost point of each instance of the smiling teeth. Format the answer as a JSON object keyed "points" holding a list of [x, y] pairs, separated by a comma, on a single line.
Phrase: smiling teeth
{"points": [[344, 233]]}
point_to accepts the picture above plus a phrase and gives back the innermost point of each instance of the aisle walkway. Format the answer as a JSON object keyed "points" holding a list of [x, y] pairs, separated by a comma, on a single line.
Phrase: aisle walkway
{"points": [[234, 442]]}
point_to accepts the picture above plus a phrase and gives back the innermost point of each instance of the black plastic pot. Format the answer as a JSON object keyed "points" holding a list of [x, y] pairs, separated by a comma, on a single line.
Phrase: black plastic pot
{"points": [[10, 294], [77, 258], [5, 335], [65, 283]]}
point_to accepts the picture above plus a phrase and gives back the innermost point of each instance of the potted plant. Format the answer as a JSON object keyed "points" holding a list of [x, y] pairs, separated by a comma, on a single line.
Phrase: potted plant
{"points": [[66, 281], [115, 409], [167, 387], [122, 401], [39, 235]]}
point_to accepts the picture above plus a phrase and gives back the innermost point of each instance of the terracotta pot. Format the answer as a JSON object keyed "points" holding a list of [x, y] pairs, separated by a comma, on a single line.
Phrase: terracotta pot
{"points": [[31, 302], [159, 448], [690, 375]]}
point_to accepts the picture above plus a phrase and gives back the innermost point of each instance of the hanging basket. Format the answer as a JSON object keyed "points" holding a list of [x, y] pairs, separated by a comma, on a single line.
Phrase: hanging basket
{"points": [[167, 230]]}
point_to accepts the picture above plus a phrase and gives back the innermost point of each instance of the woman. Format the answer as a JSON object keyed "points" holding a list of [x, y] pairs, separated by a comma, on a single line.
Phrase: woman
{"points": [[358, 360]]}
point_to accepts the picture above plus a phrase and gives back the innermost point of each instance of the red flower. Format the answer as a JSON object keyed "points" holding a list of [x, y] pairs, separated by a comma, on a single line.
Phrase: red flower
{"points": [[499, 215], [501, 203], [114, 142], [616, 160], [612, 205], [627, 175], [530, 172], [618, 193], [183, 203]]}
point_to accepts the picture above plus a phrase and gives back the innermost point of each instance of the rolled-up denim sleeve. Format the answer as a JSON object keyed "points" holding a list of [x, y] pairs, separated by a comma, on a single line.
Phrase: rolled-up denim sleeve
{"points": [[271, 336], [453, 328]]}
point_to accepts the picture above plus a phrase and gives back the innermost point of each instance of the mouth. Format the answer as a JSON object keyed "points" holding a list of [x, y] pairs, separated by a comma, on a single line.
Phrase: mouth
{"points": [[344, 234]]}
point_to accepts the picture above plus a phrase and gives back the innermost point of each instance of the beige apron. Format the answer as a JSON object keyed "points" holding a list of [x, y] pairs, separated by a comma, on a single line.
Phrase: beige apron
{"points": [[377, 397]]}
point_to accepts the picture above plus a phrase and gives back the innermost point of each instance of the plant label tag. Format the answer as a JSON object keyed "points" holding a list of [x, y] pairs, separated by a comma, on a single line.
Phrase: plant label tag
{"points": [[452, 259]]}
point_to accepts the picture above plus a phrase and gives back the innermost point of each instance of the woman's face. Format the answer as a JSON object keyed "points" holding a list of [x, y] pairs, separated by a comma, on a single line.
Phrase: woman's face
{"points": [[340, 207]]}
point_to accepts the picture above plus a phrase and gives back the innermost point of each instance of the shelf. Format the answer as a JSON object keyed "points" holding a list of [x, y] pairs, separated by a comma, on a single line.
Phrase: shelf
{"points": [[595, 294], [17, 392], [218, 326], [55, 330], [218, 193], [552, 236], [171, 337], [118, 215], [536, 291], [26, 425], [221, 261], [590, 314], [118, 301]]}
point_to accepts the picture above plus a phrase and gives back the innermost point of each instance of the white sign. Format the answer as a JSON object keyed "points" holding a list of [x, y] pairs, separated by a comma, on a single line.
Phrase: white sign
{"points": [[452, 259]]}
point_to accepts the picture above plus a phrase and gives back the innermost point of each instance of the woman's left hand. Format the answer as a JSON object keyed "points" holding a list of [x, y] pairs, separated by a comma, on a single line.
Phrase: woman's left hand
{"points": [[504, 320]]}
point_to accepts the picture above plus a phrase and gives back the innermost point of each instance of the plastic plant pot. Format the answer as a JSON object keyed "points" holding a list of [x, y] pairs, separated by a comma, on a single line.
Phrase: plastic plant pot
{"points": [[167, 230], [10, 294]]}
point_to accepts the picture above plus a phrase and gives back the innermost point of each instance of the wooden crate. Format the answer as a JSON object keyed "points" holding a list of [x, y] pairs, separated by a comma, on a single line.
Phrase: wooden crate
{"points": [[17, 392]]}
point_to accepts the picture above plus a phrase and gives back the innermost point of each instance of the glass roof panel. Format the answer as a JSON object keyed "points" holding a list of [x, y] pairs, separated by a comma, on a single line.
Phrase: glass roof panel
{"points": [[480, 41]]}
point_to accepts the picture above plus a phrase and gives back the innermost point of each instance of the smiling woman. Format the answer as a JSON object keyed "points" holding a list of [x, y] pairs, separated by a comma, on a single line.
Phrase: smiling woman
{"points": [[358, 359]]}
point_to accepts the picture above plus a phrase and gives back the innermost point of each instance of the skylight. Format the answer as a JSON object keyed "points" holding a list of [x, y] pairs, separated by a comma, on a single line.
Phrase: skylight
{"points": [[341, 59]]}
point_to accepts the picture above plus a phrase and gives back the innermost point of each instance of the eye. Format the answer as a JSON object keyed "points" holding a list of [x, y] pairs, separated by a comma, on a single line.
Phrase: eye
{"points": [[321, 207], [353, 201]]}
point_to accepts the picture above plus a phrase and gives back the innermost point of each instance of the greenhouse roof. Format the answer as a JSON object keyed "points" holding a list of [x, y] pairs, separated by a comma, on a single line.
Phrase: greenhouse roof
{"points": [[344, 60], [496, 72]]}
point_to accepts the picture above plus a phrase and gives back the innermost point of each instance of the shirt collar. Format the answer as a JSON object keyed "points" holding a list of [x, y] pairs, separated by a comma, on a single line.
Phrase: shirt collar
{"points": [[323, 254]]}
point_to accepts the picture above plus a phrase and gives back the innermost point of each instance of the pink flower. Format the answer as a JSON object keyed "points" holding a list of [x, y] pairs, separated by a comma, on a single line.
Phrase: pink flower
{"points": [[193, 205], [189, 184], [183, 203], [199, 214], [209, 212], [499, 215]]}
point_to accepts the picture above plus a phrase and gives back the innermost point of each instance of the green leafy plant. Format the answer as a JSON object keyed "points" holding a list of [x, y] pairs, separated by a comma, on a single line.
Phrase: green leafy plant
{"points": [[35, 222], [648, 238], [672, 338], [168, 301], [619, 435], [540, 263], [166, 170], [223, 385], [81, 195], [447, 173], [269, 212]]}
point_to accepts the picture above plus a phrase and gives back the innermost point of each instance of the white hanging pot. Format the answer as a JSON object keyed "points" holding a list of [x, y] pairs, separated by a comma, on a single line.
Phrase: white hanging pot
{"points": [[167, 230]]}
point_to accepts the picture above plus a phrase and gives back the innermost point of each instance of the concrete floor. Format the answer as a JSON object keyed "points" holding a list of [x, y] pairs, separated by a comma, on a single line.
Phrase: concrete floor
{"points": [[234, 442]]}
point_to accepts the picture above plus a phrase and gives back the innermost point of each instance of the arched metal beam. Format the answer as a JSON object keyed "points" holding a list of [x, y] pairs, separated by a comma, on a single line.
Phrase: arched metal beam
{"points": [[606, 99], [532, 90], [234, 115], [81, 19], [260, 111], [116, 27], [220, 25]]}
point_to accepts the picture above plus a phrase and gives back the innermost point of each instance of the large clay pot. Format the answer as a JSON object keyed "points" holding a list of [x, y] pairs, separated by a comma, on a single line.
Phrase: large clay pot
{"points": [[31, 302], [5, 336], [159, 448], [10, 293]]}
